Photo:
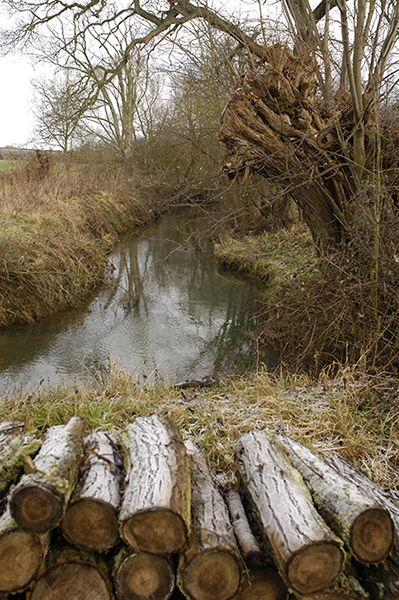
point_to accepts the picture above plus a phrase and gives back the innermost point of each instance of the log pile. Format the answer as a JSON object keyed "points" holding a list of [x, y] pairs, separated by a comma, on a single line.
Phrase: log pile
{"points": [[139, 517]]}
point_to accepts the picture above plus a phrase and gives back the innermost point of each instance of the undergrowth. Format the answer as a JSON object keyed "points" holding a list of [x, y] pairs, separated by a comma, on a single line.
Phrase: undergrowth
{"points": [[56, 230]]}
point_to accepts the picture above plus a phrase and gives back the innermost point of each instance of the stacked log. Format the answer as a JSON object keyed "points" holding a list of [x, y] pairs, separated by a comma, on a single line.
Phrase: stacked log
{"points": [[364, 525], [22, 554], [155, 513], [210, 565], [91, 520], [39, 500], [172, 526], [308, 555], [260, 580], [140, 575]]}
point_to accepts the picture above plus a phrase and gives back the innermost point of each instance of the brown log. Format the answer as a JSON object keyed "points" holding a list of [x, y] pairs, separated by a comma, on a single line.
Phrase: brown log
{"points": [[91, 519], [21, 554], [250, 550], [14, 443], [356, 517], [155, 511], [142, 576], [71, 581], [308, 555], [210, 565], [262, 584], [39, 500]]}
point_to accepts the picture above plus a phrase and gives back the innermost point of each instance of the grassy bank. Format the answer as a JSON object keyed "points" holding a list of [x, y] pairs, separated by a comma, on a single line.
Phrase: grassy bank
{"points": [[55, 234], [269, 259], [356, 417]]}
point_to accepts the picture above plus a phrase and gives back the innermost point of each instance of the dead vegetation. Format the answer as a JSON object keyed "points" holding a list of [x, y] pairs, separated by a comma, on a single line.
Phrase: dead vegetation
{"points": [[57, 227]]}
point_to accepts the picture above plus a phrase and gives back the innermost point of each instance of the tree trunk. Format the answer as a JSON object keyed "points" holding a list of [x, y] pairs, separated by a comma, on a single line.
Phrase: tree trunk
{"points": [[356, 517], [142, 576], [250, 550], [262, 584], [209, 567], [21, 554], [307, 553], [39, 500], [272, 125], [14, 443], [155, 511], [91, 520]]}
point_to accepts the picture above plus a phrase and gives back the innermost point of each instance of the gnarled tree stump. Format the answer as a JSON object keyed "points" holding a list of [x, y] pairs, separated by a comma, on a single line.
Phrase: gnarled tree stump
{"points": [[155, 509], [39, 500], [308, 555], [363, 524], [91, 520], [209, 567]]}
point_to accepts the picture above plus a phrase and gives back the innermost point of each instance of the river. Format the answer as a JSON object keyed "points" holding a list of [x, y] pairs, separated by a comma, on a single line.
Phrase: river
{"points": [[167, 312]]}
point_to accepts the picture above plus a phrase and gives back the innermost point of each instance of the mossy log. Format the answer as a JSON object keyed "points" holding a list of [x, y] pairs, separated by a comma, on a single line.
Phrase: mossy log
{"points": [[143, 576], [21, 554], [251, 552], [91, 520], [308, 555], [209, 568], [155, 511], [262, 584], [39, 501], [15, 443], [365, 526]]}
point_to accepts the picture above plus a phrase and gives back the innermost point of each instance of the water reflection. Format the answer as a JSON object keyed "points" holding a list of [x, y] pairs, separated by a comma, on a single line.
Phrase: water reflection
{"points": [[168, 312]]}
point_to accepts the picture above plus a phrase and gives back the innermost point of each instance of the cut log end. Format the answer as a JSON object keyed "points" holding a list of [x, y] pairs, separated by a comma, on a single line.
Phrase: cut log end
{"points": [[143, 576], [75, 581], [263, 584], [315, 567], [91, 525], [210, 575], [372, 536], [36, 508], [158, 531], [20, 559]]}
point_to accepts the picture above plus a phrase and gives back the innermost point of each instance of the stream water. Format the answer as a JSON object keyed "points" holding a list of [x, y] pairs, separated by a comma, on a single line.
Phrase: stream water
{"points": [[167, 312]]}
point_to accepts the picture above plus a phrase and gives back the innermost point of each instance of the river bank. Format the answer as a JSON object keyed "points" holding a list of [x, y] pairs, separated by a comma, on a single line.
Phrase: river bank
{"points": [[352, 415], [56, 233]]}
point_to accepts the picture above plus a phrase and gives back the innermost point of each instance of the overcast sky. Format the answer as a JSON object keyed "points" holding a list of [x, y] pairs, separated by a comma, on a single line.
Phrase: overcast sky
{"points": [[16, 121]]}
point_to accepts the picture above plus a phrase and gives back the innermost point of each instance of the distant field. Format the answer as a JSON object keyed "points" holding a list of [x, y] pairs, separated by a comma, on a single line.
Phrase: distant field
{"points": [[5, 165]]}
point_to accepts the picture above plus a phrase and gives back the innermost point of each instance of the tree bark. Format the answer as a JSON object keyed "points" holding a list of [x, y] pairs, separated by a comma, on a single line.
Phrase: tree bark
{"points": [[21, 554], [209, 567], [91, 520], [155, 511], [356, 517], [272, 125], [39, 501], [14, 443], [307, 553], [262, 584], [142, 576]]}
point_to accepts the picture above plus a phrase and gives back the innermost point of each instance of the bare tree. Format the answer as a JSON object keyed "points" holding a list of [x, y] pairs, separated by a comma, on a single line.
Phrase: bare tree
{"points": [[57, 108]]}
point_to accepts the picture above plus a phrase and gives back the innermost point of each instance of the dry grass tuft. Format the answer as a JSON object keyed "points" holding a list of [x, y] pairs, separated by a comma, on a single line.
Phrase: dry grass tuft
{"points": [[354, 416]]}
